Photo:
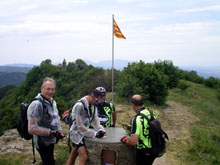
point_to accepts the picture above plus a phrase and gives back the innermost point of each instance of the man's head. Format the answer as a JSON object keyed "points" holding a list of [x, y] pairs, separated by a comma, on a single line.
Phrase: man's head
{"points": [[48, 88], [137, 102], [95, 96], [103, 91]]}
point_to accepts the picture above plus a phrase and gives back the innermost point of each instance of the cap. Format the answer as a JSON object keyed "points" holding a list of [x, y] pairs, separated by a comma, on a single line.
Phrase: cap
{"points": [[96, 93]]}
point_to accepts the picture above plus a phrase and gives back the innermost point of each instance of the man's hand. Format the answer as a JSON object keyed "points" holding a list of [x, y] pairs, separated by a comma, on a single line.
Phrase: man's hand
{"points": [[100, 134], [124, 139]]}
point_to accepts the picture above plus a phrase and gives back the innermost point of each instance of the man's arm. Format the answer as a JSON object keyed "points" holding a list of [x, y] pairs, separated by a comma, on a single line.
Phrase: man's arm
{"points": [[132, 140], [79, 116], [114, 117], [33, 128]]}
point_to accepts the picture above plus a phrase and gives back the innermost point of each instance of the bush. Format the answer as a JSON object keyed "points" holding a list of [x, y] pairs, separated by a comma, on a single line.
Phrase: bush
{"points": [[182, 85], [211, 82]]}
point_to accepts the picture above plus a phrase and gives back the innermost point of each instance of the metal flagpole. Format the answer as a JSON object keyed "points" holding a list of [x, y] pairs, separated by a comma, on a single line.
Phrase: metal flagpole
{"points": [[113, 59]]}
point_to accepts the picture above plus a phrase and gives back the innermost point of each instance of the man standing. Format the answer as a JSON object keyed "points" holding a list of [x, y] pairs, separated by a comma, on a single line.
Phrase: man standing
{"points": [[106, 110], [140, 132], [84, 113], [44, 121]]}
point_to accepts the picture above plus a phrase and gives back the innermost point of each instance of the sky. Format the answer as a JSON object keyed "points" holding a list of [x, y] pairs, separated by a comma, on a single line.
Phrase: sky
{"points": [[187, 32]]}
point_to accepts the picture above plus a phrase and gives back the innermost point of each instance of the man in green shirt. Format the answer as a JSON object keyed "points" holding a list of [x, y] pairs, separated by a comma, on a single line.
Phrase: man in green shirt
{"points": [[140, 132]]}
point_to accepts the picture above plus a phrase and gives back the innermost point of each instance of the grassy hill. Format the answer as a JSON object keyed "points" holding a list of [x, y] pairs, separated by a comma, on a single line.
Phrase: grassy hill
{"points": [[192, 124], [204, 144]]}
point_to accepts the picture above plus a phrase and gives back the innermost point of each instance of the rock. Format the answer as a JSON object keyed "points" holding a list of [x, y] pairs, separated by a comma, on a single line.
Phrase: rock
{"points": [[11, 142]]}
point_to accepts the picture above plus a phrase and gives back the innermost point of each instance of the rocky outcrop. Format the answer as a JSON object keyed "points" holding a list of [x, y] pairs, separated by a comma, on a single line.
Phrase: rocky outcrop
{"points": [[10, 142]]}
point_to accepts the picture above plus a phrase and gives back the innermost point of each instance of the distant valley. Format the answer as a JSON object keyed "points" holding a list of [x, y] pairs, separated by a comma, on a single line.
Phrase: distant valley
{"points": [[13, 75]]}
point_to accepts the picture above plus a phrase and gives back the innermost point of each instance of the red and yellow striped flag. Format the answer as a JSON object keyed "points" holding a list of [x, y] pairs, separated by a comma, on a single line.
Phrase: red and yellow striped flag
{"points": [[116, 30]]}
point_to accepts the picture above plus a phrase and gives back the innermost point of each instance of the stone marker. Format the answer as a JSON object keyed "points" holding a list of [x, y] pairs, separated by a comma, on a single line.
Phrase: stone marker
{"points": [[117, 153]]}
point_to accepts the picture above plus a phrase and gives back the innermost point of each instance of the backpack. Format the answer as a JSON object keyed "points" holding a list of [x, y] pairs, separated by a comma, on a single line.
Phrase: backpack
{"points": [[67, 117], [22, 124], [157, 135], [22, 121]]}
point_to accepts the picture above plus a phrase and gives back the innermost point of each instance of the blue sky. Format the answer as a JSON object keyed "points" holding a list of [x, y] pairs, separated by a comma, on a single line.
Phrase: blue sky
{"points": [[186, 32]]}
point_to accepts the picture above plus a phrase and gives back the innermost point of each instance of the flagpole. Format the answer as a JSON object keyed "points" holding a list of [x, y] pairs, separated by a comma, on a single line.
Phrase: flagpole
{"points": [[113, 59]]}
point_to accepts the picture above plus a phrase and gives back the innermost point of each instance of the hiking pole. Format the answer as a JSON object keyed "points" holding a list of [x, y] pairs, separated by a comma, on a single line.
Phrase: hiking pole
{"points": [[33, 151]]}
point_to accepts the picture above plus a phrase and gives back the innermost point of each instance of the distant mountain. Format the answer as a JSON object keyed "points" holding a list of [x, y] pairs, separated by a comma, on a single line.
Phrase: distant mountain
{"points": [[205, 72], [21, 65], [8, 69], [12, 78], [120, 64], [107, 64]]}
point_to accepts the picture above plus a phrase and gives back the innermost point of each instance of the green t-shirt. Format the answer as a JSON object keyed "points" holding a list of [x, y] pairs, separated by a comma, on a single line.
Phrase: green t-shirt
{"points": [[139, 126]]}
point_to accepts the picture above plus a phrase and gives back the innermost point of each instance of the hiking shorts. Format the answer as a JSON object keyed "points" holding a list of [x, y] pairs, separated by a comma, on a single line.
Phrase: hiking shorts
{"points": [[82, 143]]}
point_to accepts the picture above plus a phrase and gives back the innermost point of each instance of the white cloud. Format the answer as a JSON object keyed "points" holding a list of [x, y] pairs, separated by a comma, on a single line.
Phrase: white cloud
{"points": [[28, 7], [201, 9]]}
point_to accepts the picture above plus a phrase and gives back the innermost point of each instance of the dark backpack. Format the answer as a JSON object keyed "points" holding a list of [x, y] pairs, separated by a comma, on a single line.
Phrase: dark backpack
{"points": [[157, 135], [22, 122]]}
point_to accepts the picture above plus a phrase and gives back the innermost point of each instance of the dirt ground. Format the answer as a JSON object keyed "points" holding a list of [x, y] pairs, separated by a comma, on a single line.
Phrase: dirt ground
{"points": [[175, 122]]}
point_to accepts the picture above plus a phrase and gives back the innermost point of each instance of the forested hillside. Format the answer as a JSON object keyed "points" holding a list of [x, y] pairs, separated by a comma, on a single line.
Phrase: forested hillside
{"points": [[12, 78], [76, 79]]}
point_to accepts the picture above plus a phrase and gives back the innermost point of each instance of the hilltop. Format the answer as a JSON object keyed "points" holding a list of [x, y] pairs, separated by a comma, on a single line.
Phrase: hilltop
{"points": [[11, 143]]}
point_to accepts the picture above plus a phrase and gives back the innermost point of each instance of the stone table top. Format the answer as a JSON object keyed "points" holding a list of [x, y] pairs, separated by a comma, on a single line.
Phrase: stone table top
{"points": [[113, 136]]}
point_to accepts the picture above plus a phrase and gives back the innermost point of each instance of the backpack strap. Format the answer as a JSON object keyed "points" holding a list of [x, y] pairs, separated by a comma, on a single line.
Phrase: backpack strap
{"points": [[145, 116], [42, 102]]}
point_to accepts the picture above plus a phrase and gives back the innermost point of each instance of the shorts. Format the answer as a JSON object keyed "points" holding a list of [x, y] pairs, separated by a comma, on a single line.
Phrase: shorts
{"points": [[82, 143]]}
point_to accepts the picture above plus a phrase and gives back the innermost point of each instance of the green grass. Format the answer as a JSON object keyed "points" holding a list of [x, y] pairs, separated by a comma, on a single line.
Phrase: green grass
{"points": [[61, 155], [205, 145]]}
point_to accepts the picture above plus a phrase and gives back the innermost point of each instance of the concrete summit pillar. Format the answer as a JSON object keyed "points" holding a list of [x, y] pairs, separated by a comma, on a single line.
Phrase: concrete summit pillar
{"points": [[110, 150]]}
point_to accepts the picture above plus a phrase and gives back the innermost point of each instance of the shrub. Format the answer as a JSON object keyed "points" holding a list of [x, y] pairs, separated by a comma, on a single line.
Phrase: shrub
{"points": [[182, 85]]}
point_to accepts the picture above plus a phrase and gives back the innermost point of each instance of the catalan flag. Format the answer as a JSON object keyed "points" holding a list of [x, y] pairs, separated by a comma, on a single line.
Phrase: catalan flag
{"points": [[116, 30]]}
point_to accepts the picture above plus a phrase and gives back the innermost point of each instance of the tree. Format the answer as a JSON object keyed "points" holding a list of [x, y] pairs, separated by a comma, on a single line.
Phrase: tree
{"points": [[211, 82], [144, 79], [167, 68]]}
